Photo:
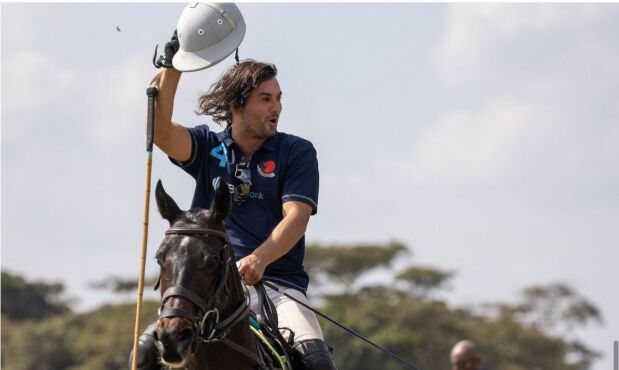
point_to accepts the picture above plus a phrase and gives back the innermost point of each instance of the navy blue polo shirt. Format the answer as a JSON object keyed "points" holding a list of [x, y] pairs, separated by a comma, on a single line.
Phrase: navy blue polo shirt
{"points": [[285, 168]]}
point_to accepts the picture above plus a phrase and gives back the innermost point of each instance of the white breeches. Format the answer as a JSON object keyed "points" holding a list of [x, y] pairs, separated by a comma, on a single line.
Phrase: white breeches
{"points": [[291, 315]]}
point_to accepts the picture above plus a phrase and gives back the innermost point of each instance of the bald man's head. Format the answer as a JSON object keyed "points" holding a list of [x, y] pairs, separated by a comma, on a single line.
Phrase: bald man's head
{"points": [[464, 356]]}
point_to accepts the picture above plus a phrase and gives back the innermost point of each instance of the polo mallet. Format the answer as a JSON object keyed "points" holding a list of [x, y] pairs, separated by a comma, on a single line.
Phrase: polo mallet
{"points": [[151, 92]]}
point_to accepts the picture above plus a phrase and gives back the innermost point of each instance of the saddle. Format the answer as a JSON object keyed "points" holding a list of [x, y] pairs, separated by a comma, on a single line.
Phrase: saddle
{"points": [[273, 349]]}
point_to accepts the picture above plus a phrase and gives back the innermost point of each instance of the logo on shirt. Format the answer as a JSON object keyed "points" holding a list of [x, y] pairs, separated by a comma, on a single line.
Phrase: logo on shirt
{"points": [[219, 152], [267, 169], [253, 194]]}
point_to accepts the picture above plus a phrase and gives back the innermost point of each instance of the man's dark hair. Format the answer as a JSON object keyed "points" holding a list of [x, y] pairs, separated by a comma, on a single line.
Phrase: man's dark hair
{"points": [[232, 89]]}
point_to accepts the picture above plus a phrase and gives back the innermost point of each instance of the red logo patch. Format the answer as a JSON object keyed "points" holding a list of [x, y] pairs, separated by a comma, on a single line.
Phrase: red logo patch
{"points": [[268, 166], [267, 169]]}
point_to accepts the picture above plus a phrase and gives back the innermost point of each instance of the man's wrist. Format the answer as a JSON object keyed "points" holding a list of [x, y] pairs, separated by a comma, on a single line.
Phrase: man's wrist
{"points": [[172, 72], [262, 255]]}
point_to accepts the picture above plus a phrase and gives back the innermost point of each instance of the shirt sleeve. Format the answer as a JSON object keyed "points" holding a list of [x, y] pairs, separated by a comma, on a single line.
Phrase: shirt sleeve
{"points": [[199, 146], [301, 178]]}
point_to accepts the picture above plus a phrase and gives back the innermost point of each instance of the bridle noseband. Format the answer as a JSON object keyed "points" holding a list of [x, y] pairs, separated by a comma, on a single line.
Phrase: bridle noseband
{"points": [[205, 330]]}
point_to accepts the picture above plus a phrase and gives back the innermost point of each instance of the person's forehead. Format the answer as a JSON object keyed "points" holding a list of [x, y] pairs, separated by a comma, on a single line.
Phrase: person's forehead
{"points": [[463, 354], [269, 86]]}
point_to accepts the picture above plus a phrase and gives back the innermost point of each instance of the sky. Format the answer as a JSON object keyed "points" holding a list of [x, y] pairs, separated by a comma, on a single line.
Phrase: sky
{"points": [[483, 136]]}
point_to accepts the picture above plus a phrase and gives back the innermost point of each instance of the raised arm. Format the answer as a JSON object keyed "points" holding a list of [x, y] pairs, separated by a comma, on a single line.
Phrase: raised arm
{"points": [[171, 137]]}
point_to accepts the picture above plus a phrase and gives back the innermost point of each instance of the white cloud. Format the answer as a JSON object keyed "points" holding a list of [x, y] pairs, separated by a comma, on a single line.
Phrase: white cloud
{"points": [[485, 39], [27, 80], [464, 144], [119, 106], [549, 67]]}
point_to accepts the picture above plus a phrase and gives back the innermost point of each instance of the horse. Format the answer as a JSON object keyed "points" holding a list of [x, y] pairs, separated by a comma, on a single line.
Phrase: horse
{"points": [[203, 317]]}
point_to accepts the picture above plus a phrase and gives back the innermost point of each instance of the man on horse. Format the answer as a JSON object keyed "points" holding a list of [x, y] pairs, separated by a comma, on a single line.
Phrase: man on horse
{"points": [[273, 179]]}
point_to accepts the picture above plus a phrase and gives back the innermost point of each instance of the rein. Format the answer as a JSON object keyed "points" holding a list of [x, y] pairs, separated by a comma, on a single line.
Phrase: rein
{"points": [[208, 325]]}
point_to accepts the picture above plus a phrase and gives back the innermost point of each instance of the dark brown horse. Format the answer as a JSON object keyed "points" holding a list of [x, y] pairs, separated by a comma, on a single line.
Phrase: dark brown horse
{"points": [[203, 320]]}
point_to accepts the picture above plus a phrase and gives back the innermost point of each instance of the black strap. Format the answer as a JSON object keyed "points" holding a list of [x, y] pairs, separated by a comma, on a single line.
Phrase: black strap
{"points": [[268, 318], [173, 312], [235, 318], [178, 291]]}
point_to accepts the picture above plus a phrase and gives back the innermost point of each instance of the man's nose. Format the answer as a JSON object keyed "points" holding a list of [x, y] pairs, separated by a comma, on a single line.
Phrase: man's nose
{"points": [[276, 107]]}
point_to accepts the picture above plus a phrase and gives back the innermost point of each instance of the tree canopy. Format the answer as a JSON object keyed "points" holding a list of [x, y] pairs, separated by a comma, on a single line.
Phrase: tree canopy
{"points": [[400, 315], [31, 300]]}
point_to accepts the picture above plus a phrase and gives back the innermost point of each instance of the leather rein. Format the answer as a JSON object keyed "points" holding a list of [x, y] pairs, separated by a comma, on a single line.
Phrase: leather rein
{"points": [[209, 327]]}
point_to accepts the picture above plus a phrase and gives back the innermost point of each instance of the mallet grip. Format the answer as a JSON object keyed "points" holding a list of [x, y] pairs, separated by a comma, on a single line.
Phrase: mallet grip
{"points": [[151, 92]]}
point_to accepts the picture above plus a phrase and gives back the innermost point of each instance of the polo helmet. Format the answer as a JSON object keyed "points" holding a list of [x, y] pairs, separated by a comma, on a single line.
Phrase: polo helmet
{"points": [[207, 34]]}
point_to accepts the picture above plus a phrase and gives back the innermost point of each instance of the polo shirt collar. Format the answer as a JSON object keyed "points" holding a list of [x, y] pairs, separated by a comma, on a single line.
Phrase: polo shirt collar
{"points": [[269, 145], [226, 137]]}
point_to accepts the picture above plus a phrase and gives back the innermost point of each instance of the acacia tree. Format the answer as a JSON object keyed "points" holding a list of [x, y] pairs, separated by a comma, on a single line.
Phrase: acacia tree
{"points": [[344, 264], [558, 307], [423, 280], [401, 315], [513, 336], [31, 300]]}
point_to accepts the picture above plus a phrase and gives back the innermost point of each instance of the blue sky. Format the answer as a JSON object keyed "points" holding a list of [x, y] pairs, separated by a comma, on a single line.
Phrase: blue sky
{"points": [[484, 136]]}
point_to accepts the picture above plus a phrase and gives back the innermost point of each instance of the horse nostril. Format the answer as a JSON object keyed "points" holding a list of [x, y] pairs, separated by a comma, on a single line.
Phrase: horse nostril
{"points": [[184, 335]]}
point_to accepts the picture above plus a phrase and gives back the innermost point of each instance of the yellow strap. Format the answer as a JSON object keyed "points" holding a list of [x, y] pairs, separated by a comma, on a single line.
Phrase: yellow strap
{"points": [[282, 359]]}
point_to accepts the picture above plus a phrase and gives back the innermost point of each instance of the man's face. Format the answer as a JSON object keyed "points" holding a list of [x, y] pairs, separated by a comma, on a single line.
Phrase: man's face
{"points": [[258, 119], [465, 361]]}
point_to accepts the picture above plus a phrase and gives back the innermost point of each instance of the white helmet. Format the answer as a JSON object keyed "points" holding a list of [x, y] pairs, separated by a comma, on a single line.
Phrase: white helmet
{"points": [[207, 34]]}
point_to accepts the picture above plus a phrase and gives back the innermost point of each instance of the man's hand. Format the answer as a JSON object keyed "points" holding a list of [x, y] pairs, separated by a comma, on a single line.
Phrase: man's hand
{"points": [[251, 269], [171, 47]]}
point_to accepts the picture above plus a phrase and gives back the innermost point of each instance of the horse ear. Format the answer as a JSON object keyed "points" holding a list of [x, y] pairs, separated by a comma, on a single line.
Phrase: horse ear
{"points": [[220, 207], [167, 206]]}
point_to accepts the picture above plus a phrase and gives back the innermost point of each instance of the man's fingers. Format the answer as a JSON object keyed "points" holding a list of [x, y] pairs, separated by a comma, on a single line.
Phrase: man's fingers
{"points": [[250, 273], [249, 276], [245, 272]]}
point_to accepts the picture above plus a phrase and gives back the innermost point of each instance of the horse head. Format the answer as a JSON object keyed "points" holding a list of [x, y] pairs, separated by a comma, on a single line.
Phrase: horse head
{"points": [[195, 260]]}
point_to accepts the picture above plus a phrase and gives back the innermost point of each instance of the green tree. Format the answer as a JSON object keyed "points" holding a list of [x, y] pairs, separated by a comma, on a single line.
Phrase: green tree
{"points": [[399, 315], [98, 340], [31, 300], [345, 263], [121, 285], [557, 306], [407, 322], [423, 280]]}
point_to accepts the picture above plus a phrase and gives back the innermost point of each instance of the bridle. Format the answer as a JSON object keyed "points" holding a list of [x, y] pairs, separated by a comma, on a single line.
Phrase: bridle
{"points": [[208, 326]]}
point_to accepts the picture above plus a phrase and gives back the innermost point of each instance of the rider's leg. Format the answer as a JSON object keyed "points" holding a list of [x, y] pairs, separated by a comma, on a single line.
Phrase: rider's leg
{"points": [[310, 352], [147, 351]]}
